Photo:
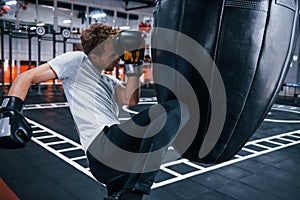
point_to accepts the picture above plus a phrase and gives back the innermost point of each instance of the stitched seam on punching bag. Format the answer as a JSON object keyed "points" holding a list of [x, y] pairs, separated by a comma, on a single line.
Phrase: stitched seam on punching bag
{"points": [[286, 60], [253, 77], [252, 5], [179, 29], [210, 87], [243, 107]]}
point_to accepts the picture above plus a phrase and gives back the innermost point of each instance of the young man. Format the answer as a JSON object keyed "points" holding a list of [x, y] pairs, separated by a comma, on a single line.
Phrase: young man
{"points": [[125, 157]]}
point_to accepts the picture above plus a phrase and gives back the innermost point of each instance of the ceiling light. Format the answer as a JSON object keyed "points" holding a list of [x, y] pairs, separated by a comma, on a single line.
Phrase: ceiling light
{"points": [[40, 24], [67, 21], [10, 3], [124, 27], [98, 15]]}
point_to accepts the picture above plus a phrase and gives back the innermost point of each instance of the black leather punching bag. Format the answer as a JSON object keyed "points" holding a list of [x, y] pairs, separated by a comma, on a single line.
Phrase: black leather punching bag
{"points": [[247, 47]]}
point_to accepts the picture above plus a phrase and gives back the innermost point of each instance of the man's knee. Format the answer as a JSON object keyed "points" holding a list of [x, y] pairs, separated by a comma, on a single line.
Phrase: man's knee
{"points": [[179, 109]]}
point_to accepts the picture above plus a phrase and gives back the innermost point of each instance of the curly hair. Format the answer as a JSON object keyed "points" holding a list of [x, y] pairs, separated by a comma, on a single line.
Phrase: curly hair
{"points": [[95, 35]]}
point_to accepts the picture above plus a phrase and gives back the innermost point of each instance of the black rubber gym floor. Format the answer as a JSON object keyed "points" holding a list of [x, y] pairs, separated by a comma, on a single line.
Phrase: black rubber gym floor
{"points": [[53, 164]]}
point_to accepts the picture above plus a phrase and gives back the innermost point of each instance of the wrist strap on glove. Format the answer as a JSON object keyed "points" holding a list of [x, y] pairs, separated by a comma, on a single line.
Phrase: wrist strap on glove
{"points": [[133, 70], [12, 103]]}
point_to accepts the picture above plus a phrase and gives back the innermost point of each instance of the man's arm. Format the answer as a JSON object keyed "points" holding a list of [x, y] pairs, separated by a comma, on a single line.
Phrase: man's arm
{"points": [[15, 131], [130, 46], [130, 94], [36, 75]]}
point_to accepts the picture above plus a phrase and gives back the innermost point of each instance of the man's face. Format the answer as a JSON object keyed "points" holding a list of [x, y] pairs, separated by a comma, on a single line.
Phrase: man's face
{"points": [[108, 59]]}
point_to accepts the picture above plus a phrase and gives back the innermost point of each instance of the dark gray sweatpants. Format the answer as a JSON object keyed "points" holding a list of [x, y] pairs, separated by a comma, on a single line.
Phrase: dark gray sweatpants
{"points": [[128, 155]]}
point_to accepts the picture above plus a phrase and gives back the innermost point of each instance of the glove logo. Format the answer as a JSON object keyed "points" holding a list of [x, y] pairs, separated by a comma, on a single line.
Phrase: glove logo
{"points": [[131, 56], [5, 102], [5, 127]]}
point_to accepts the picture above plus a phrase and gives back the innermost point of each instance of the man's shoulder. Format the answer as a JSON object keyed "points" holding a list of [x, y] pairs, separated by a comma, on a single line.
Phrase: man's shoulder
{"points": [[74, 57], [75, 53], [69, 56]]}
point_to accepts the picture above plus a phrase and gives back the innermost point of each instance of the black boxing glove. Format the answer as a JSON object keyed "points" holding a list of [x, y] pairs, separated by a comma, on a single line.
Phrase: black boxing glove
{"points": [[15, 131], [130, 46]]}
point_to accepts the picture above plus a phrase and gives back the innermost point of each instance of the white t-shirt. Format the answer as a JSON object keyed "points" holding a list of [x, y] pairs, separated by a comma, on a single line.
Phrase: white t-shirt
{"points": [[90, 94]]}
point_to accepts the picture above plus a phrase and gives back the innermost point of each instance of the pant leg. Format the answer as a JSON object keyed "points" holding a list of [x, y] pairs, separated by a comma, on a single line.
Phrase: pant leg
{"points": [[131, 153], [113, 179], [99, 152], [176, 117]]}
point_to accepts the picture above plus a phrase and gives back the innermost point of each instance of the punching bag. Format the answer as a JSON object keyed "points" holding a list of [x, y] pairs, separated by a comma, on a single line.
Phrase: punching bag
{"points": [[243, 55]]}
